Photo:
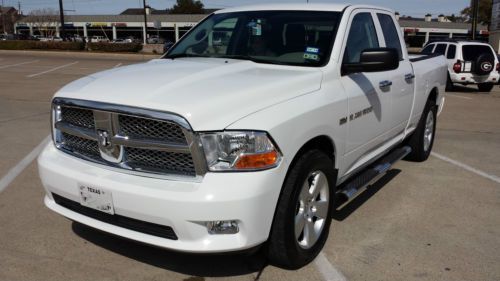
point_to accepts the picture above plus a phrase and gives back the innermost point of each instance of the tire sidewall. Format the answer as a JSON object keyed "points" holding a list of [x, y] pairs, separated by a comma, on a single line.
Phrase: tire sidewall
{"points": [[311, 161], [433, 110]]}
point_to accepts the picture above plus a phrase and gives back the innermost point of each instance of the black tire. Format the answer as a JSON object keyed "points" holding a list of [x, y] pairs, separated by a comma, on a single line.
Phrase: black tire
{"points": [[484, 64], [283, 248], [485, 87], [419, 150], [449, 84]]}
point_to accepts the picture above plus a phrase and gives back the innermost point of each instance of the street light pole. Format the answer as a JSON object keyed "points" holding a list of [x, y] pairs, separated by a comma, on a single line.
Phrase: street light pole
{"points": [[61, 15], [475, 11], [145, 34]]}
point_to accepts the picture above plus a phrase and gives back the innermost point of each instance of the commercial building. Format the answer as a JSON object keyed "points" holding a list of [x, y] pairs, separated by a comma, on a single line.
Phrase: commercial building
{"points": [[495, 26], [172, 26]]}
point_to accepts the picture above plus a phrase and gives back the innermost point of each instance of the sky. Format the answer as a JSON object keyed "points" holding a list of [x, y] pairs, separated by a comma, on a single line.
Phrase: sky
{"points": [[414, 8]]}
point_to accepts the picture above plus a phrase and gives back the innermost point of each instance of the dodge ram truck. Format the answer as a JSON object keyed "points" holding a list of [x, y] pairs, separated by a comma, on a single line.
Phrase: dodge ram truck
{"points": [[250, 131]]}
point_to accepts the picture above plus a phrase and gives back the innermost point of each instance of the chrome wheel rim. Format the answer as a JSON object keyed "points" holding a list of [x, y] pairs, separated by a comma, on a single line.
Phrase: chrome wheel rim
{"points": [[312, 209], [429, 131]]}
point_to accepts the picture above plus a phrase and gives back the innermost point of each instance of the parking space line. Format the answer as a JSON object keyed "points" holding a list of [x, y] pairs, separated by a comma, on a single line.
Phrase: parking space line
{"points": [[467, 167], [327, 270], [457, 96], [51, 70], [118, 65], [18, 64], [19, 168]]}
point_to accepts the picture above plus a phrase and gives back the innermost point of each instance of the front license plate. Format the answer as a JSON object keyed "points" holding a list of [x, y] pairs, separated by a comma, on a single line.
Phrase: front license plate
{"points": [[96, 198]]}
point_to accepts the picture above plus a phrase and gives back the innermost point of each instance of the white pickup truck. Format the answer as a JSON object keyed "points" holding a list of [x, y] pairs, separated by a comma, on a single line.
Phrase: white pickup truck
{"points": [[250, 131]]}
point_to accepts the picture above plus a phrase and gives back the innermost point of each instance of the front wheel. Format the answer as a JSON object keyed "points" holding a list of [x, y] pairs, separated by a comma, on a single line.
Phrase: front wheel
{"points": [[485, 87], [303, 214], [422, 140]]}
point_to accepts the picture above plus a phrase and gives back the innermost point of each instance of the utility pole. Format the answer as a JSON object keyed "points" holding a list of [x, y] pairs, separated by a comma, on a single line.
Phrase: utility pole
{"points": [[1, 15], [145, 34], [19, 8], [61, 15], [475, 11]]}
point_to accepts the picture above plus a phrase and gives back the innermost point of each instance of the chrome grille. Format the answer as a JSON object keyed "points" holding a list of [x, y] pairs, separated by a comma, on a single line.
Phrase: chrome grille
{"points": [[127, 138], [153, 129], [84, 147], [78, 117], [153, 160]]}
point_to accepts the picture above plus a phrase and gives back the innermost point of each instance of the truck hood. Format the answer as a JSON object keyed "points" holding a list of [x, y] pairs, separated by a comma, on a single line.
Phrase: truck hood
{"points": [[210, 93]]}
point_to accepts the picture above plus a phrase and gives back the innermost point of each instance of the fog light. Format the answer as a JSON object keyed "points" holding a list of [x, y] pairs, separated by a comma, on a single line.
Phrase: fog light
{"points": [[222, 227]]}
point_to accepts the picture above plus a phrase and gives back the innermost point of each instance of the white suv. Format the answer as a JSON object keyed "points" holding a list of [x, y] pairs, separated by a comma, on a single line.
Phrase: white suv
{"points": [[469, 62]]}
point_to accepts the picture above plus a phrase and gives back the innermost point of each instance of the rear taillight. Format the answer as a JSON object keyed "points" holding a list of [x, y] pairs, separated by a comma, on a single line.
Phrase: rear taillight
{"points": [[457, 67], [498, 67]]}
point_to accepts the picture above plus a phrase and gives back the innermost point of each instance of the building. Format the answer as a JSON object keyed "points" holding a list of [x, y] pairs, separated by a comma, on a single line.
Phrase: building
{"points": [[171, 27], [8, 17], [495, 26]]}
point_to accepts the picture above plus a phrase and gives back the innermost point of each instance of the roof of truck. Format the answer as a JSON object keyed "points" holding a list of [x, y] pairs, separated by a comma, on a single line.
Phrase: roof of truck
{"points": [[337, 7]]}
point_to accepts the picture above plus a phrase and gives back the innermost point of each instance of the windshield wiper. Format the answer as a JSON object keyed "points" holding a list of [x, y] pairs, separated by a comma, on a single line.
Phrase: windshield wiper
{"points": [[183, 55], [250, 58]]}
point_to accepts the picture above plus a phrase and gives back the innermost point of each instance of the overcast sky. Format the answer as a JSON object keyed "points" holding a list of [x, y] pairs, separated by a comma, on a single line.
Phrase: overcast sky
{"points": [[415, 8]]}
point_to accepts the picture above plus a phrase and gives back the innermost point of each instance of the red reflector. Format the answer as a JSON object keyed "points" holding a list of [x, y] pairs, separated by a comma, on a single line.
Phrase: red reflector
{"points": [[463, 78]]}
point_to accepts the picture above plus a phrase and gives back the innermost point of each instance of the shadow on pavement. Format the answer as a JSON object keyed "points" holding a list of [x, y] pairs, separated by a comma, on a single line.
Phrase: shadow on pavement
{"points": [[350, 208], [202, 265]]}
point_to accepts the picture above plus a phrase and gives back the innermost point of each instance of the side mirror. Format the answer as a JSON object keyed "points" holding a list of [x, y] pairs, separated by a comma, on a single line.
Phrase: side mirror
{"points": [[374, 60]]}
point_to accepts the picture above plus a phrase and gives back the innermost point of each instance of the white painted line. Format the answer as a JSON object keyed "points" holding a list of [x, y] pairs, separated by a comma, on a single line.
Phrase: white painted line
{"points": [[467, 167], [327, 270], [50, 70], [18, 64], [118, 65], [457, 96], [18, 169]]}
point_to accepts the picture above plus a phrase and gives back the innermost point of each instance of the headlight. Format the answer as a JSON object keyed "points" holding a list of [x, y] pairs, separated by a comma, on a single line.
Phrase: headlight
{"points": [[236, 151]]}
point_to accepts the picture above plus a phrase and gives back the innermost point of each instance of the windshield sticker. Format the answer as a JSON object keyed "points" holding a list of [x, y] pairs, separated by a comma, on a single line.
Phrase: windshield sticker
{"points": [[311, 53]]}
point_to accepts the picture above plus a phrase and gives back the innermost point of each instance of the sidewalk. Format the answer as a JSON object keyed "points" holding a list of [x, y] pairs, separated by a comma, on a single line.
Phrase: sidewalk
{"points": [[126, 56]]}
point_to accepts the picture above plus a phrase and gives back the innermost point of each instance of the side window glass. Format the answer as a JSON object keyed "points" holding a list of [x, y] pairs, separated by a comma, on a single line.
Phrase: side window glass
{"points": [[452, 51], [428, 50], [390, 33], [362, 36], [440, 49]]}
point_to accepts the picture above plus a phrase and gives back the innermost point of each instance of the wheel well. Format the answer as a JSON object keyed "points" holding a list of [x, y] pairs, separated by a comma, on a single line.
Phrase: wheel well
{"points": [[433, 95], [322, 143]]}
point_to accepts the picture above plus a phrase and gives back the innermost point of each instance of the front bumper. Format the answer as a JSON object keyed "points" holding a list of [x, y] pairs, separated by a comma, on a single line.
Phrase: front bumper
{"points": [[249, 198]]}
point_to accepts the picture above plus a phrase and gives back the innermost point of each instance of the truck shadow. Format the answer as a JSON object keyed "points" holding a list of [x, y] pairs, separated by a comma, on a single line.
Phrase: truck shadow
{"points": [[196, 265], [357, 202]]}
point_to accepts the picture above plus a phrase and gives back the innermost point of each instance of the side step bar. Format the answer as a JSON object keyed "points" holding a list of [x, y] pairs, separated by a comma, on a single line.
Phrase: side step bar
{"points": [[369, 176]]}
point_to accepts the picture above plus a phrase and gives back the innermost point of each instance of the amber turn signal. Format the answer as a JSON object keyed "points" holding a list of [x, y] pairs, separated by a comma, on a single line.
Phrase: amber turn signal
{"points": [[257, 161]]}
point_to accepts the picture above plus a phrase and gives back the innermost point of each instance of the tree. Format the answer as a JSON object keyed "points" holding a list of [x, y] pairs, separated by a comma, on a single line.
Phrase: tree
{"points": [[45, 20], [484, 12], [187, 7]]}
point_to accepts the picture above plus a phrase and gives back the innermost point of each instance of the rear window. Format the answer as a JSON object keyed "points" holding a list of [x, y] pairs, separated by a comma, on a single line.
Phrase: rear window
{"points": [[472, 52], [440, 49]]}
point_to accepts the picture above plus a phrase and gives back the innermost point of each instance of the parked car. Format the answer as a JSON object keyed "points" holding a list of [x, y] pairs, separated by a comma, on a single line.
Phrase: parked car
{"points": [[469, 62], [98, 39], [214, 149], [122, 40], [155, 40], [3, 37]]}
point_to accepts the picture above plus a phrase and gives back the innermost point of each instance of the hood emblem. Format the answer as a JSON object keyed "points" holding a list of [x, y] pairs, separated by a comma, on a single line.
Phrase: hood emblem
{"points": [[103, 138]]}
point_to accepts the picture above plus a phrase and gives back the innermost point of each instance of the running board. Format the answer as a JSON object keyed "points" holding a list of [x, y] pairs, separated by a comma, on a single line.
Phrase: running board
{"points": [[369, 176]]}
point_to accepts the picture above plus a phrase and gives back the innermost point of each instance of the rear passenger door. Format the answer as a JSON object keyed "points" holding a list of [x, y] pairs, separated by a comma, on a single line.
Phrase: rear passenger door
{"points": [[402, 90]]}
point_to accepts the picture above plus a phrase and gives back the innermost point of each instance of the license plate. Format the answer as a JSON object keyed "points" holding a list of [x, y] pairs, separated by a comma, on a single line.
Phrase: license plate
{"points": [[96, 198]]}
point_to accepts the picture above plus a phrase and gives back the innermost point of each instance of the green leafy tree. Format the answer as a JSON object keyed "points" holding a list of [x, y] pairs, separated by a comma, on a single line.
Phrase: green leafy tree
{"points": [[484, 12], [187, 7]]}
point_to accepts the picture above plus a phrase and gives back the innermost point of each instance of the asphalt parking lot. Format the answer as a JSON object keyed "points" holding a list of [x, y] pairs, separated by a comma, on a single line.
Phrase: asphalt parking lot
{"points": [[437, 220]]}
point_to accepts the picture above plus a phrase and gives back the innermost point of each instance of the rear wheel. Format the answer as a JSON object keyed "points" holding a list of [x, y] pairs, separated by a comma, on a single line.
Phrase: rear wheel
{"points": [[422, 140], [303, 214], [485, 87]]}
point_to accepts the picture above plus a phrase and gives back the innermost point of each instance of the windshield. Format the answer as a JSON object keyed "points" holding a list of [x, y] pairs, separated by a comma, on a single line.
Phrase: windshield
{"points": [[302, 38]]}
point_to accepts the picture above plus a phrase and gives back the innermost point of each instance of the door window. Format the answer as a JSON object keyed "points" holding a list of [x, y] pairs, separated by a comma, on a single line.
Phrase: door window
{"points": [[390, 33], [452, 51], [428, 50], [362, 36], [440, 49]]}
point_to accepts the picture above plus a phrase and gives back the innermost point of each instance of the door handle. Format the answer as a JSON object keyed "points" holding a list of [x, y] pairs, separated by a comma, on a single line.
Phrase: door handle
{"points": [[385, 83], [409, 76]]}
